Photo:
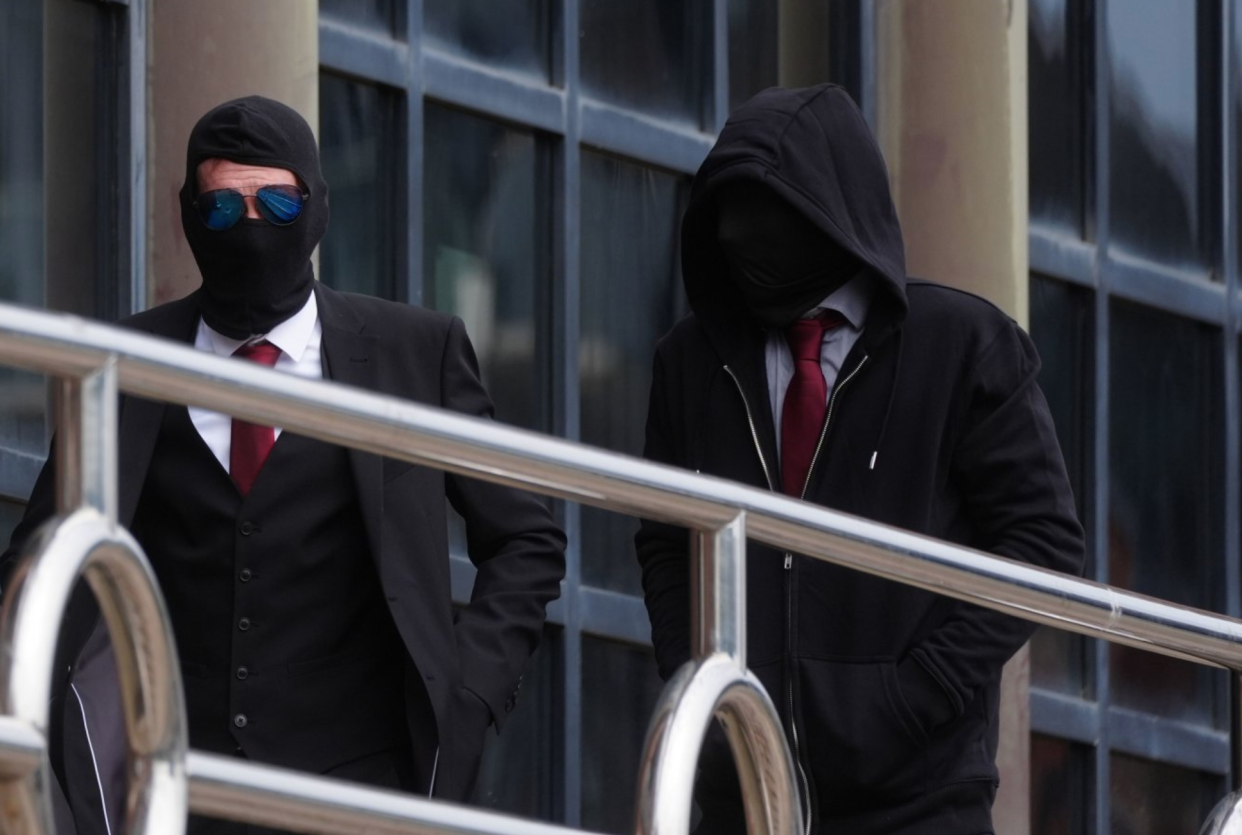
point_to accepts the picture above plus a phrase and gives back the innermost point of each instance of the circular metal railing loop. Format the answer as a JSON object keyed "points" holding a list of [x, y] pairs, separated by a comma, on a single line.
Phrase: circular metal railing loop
{"points": [[85, 544], [716, 687], [1226, 818]]}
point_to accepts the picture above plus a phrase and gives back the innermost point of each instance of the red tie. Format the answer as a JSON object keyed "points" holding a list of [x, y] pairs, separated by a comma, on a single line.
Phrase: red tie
{"points": [[806, 400], [251, 444]]}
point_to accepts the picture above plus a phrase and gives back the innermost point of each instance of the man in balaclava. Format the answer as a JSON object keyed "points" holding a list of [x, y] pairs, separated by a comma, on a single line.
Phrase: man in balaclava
{"points": [[812, 366], [308, 585]]}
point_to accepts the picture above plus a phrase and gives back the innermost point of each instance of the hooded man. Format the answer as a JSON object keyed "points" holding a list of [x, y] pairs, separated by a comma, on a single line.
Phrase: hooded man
{"points": [[811, 365], [308, 585]]}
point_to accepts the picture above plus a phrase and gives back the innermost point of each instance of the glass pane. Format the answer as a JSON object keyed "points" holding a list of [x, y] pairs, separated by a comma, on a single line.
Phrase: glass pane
{"points": [[518, 775], [1060, 789], [619, 691], [357, 140], [1165, 512], [1062, 319], [381, 15], [79, 141], [21, 207], [10, 515], [1150, 798], [649, 55], [486, 252], [1159, 118], [1057, 87], [513, 35], [752, 48], [631, 296]]}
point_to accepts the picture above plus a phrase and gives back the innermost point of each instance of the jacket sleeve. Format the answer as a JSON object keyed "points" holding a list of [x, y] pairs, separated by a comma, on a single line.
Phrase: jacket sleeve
{"points": [[517, 548], [663, 549], [1008, 467]]}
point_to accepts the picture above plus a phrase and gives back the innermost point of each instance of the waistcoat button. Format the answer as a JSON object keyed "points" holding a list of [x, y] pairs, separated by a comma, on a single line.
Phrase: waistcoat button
{"points": [[243, 624], [240, 720], [242, 672], [246, 529], [245, 575]]}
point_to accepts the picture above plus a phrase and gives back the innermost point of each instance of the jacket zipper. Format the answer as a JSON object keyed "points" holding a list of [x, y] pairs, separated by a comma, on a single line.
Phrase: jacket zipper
{"points": [[754, 433], [789, 579], [823, 433], [793, 724]]}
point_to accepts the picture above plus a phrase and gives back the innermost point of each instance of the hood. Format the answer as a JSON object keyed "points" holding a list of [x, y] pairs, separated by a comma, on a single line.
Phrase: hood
{"points": [[812, 147]]}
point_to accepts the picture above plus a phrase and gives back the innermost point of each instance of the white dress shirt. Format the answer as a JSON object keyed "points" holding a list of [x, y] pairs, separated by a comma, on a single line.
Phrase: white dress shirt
{"points": [[852, 300], [298, 339]]}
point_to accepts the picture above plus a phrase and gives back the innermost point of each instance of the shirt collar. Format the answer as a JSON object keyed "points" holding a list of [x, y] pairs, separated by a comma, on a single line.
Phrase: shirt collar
{"points": [[291, 336], [852, 300]]}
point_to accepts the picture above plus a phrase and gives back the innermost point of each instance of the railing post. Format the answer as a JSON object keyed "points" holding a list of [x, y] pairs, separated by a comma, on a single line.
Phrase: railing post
{"points": [[86, 437], [718, 605]]}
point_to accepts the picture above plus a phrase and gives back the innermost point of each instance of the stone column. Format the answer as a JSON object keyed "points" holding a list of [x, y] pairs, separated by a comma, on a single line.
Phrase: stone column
{"points": [[952, 123], [203, 54]]}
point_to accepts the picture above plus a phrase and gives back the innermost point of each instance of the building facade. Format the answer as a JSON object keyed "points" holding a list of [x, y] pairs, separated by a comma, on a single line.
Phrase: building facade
{"points": [[524, 164]]}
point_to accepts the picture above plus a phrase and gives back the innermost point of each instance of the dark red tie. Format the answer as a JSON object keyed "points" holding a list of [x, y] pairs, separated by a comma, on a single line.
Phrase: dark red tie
{"points": [[251, 444], [806, 400]]}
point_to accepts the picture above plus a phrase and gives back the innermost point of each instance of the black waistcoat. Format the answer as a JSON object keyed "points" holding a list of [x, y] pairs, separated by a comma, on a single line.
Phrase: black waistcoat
{"points": [[288, 651]]}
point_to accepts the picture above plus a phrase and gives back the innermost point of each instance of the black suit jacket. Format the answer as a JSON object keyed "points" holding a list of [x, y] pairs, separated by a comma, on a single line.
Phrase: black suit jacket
{"points": [[466, 663]]}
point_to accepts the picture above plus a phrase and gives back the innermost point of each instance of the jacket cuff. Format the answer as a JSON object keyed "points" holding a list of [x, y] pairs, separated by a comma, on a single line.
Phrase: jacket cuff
{"points": [[927, 698]]}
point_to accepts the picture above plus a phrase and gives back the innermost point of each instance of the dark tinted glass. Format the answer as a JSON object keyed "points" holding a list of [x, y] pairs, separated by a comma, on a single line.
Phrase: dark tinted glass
{"points": [[1061, 325], [1151, 798], [753, 34], [1160, 128], [382, 15], [486, 252], [21, 207], [1057, 89], [1165, 512], [649, 55], [513, 34], [1060, 788], [10, 515], [631, 295], [518, 774], [358, 139], [619, 691]]}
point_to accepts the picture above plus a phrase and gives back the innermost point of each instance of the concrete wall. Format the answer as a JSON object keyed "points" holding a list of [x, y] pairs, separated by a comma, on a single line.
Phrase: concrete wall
{"points": [[952, 114], [202, 54]]}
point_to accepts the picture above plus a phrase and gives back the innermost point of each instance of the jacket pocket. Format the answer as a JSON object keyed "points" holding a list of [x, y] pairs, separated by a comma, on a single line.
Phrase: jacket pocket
{"points": [[862, 742]]}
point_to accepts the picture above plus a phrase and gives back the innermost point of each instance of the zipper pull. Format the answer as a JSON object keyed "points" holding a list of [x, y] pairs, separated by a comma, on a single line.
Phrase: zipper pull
{"points": [[788, 560]]}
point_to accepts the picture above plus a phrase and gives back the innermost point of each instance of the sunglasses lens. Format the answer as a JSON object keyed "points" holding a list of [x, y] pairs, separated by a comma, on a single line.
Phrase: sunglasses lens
{"points": [[220, 209], [279, 204]]}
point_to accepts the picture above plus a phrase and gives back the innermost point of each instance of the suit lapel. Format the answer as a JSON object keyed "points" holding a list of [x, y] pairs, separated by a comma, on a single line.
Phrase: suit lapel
{"points": [[351, 357], [140, 419]]}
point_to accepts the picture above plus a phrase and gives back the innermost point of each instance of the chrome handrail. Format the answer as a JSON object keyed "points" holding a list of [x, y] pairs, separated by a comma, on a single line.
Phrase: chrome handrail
{"points": [[66, 346]]}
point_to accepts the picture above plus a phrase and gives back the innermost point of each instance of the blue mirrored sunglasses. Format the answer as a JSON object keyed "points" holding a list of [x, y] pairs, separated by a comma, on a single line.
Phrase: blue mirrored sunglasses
{"points": [[279, 205]]}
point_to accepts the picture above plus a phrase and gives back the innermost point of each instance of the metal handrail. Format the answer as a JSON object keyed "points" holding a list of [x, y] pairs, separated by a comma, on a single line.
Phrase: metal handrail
{"points": [[70, 347]]}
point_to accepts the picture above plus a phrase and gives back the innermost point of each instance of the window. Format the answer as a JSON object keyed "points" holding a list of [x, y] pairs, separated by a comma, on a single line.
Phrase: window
{"points": [[528, 162], [71, 188], [631, 296], [360, 164], [1133, 277], [487, 252]]}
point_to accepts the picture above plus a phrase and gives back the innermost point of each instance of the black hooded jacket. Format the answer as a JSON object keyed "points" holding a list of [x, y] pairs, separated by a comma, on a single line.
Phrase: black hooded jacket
{"points": [[937, 426]]}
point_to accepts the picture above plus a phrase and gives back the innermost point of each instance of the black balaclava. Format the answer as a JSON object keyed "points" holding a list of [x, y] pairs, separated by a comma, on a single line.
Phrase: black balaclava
{"points": [[782, 264], [255, 275]]}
